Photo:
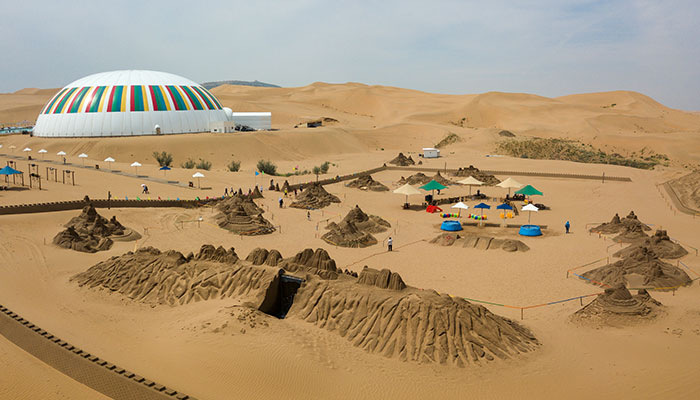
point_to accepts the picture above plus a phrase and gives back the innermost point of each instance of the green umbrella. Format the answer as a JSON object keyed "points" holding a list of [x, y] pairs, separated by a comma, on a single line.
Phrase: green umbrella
{"points": [[433, 185], [529, 191]]}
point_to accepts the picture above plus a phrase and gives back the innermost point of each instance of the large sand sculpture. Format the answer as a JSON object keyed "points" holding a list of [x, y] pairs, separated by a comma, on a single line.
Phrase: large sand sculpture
{"points": [[90, 232], [418, 178], [660, 243], [402, 161], [629, 229], [641, 267], [366, 182], [314, 196], [376, 312], [488, 179], [617, 304], [355, 230], [480, 242], [240, 214]]}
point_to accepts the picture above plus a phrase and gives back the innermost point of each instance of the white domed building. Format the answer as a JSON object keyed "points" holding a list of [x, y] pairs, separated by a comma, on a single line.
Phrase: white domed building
{"points": [[131, 103]]}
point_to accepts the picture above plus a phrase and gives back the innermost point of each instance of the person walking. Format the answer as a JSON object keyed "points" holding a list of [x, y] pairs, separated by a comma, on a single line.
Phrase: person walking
{"points": [[281, 202], [308, 215], [390, 244], [109, 200], [225, 192], [567, 225]]}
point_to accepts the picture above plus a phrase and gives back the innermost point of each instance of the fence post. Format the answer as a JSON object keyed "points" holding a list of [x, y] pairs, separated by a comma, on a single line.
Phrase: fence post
{"points": [[522, 316]]}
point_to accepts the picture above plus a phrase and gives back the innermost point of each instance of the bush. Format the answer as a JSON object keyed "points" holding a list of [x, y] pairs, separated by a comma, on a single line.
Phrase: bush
{"points": [[317, 171], [267, 167], [189, 164], [234, 166], [164, 159], [324, 167], [204, 164]]}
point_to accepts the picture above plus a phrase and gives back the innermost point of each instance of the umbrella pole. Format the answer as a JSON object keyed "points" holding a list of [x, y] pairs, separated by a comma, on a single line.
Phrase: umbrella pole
{"points": [[529, 213]]}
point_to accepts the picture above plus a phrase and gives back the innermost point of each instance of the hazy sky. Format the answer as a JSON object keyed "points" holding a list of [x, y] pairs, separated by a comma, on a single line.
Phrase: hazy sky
{"points": [[548, 47]]}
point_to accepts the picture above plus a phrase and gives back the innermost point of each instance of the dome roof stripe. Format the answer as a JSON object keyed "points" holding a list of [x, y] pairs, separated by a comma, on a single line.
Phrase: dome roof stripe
{"points": [[193, 98]]}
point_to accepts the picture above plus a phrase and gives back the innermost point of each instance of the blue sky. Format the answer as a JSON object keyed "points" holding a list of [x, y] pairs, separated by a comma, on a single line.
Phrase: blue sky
{"points": [[546, 47]]}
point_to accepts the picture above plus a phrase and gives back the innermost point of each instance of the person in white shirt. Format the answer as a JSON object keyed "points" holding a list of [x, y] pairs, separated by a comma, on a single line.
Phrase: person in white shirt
{"points": [[390, 242]]}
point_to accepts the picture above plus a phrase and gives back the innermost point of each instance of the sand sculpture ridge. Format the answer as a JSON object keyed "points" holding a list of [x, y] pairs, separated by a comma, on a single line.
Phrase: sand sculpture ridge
{"points": [[365, 182], [480, 242], [240, 214], [314, 196], [488, 179], [629, 229], [660, 243], [90, 232], [355, 230], [402, 161], [617, 304]]}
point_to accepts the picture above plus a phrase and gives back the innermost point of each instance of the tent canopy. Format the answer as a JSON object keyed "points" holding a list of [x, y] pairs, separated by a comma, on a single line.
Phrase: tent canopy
{"points": [[504, 206], [433, 185], [460, 205], [529, 191], [530, 207], [471, 181], [483, 206], [407, 190], [510, 183], [7, 170]]}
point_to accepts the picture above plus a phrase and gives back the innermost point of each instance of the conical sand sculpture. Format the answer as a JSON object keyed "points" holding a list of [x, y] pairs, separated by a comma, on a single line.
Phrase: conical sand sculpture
{"points": [[487, 179], [660, 243], [355, 230], [90, 232], [240, 215], [617, 304], [314, 197], [402, 161], [366, 182]]}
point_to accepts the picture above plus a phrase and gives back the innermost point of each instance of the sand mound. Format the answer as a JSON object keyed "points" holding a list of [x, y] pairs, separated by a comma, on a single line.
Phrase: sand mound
{"points": [[471, 170], [688, 189], [441, 179], [314, 196], [90, 232], [621, 225], [355, 230], [236, 219], [256, 193], [384, 279], [618, 304], [415, 179], [260, 256], [402, 161], [317, 262], [479, 242], [660, 243], [366, 182], [409, 323], [641, 267]]}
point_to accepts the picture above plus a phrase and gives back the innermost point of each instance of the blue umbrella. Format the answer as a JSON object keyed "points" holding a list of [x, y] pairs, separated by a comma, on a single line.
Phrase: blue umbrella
{"points": [[504, 206], [7, 171], [482, 206], [165, 168]]}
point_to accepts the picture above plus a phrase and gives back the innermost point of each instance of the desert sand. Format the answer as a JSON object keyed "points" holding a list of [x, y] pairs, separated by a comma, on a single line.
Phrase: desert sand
{"points": [[221, 345]]}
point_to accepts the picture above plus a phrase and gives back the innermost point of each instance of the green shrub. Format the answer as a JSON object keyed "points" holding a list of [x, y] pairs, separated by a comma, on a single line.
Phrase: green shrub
{"points": [[447, 140], [324, 167], [189, 164], [164, 159], [203, 164], [234, 166], [267, 167], [317, 171]]}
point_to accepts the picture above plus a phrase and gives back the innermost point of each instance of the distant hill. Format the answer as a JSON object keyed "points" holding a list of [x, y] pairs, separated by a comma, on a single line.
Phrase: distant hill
{"points": [[211, 85]]}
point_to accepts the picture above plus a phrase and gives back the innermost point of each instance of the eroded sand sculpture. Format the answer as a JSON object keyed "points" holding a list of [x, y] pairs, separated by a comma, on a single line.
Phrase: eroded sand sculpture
{"points": [[488, 179], [402, 161], [660, 243], [376, 312], [240, 214], [366, 182], [629, 229], [617, 304], [90, 232], [355, 230], [314, 196], [480, 242]]}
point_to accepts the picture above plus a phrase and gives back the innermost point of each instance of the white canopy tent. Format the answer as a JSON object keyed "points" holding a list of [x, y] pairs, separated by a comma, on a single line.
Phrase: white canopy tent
{"points": [[460, 206], [530, 208], [198, 175]]}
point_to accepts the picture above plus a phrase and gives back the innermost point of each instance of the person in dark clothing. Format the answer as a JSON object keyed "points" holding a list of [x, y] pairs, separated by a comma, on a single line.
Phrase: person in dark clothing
{"points": [[567, 225], [390, 244], [281, 202]]}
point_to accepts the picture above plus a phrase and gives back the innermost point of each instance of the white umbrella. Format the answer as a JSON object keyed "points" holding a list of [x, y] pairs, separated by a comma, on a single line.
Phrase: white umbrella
{"points": [[509, 184], [83, 156], [61, 153], [407, 190], [42, 152], [460, 206], [109, 160], [27, 149], [530, 208], [198, 175], [471, 181], [13, 147], [136, 166]]}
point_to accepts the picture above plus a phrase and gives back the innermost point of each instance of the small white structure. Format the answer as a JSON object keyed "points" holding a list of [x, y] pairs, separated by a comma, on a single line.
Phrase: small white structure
{"points": [[222, 126], [431, 152], [260, 121]]}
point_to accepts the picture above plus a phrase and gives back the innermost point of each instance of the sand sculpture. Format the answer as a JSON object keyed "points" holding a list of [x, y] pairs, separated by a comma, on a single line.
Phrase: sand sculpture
{"points": [[376, 312], [240, 215], [402, 161], [629, 229], [255, 194], [415, 179], [479, 242], [488, 179], [314, 196], [366, 182], [355, 230], [660, 243], [617, 304], [640, 268], [90, 232], [441, 179]]}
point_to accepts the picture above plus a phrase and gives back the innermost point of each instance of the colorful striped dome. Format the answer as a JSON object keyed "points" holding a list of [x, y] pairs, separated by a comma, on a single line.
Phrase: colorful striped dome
{"points": [[126, 103]]}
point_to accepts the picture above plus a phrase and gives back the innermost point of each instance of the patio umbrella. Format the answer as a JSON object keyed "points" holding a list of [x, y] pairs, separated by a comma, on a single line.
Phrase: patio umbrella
{"points": [[136, 166], [27, 149], [529, 191], [471, 181], [504, 206], [42, 152], [460, 206], [530, 208], [83, 156], [509, 184], [198, 175], [7, 171], [165, 168], [483, 206], [61, 153], [407, 190], [109, 160], [433, 186]]}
